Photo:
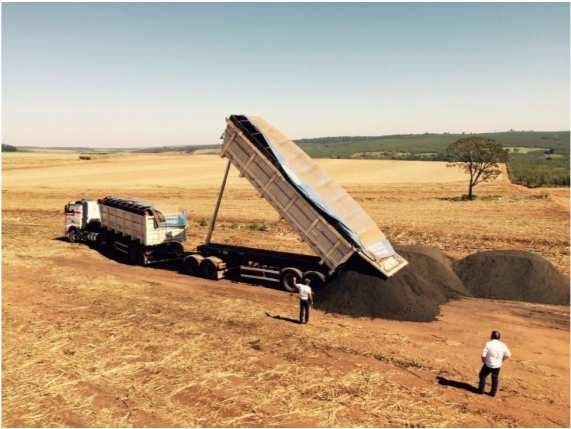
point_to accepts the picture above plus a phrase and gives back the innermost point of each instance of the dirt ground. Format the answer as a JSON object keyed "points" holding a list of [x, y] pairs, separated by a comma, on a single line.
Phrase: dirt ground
{"points": [[89, 341]]}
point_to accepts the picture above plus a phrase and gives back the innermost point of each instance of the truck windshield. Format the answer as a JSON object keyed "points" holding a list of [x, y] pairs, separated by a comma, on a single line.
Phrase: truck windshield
{"points": [[178, 220]]}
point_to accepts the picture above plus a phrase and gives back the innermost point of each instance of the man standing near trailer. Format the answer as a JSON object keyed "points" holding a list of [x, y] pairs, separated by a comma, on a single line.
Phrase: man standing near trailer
{"points": [[305, 299], [493, 355]]}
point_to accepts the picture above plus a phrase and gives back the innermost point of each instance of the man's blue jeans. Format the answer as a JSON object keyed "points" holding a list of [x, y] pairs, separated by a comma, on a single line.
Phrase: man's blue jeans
{"points": [[303, 311], [484, 372]]}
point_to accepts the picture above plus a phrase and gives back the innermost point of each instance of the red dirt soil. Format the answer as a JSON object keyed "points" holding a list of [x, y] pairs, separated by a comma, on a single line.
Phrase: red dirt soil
{"points": [[98, 343], [88, 341]]}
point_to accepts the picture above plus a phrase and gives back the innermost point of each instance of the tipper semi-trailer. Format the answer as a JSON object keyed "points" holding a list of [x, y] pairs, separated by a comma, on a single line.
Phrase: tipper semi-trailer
{"points": [[137, 230], [325, 216]]}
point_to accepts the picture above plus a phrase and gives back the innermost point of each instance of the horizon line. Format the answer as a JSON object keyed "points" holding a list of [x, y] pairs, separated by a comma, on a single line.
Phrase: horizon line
{"points": [[295, 140]]}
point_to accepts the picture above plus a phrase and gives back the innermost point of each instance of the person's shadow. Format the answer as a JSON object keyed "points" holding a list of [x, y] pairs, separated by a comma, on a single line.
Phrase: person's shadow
{"points": [[456, 384], [278, 317]]}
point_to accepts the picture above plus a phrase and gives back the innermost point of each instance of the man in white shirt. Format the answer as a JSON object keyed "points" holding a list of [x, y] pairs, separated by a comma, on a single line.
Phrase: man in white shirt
{"points": [[305, 299], [493, 355]]}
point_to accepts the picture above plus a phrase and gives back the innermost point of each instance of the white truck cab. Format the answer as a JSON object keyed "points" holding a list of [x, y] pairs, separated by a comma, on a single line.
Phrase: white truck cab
{"points": [[79, 215]]}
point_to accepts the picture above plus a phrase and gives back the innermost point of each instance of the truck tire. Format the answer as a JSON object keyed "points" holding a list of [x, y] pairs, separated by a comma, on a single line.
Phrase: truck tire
{"points": [[106, 240], [133, 257], [316, 279], [72, 235], [209, 267], [142, 257], [175, 250], [286, 278], [191, 265]]}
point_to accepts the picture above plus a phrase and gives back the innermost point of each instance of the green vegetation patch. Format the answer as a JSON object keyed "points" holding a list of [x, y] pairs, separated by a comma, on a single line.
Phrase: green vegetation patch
{"points": [[9, 148], [536, 169], [258, 227]]}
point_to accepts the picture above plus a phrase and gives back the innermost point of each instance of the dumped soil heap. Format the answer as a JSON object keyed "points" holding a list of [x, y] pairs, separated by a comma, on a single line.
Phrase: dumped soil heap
{"points": [[414, 294], [513, 275]]}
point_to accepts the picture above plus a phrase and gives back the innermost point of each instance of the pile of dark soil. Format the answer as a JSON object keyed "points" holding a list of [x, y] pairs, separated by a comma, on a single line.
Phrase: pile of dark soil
{"points": [[415, 293], [513, 275], [431, 261]]}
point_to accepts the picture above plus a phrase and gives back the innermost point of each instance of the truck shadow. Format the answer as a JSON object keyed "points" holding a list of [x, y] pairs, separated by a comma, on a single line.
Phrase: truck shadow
{"points": [[173, 266], [122, 259]]}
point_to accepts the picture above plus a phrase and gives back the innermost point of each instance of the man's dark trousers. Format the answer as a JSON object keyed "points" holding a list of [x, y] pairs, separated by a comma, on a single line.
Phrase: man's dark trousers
{"points": [[484, 372], [303, 311]]}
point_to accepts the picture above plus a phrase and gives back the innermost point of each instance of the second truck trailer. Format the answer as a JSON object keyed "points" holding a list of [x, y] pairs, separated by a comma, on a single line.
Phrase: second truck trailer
{"points": [[135, 229]]}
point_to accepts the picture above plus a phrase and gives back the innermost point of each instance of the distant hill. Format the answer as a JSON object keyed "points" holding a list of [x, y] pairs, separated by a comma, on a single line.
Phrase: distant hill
{"points": [[428, 146], [425, 146], [537, 158], [210, 148]]}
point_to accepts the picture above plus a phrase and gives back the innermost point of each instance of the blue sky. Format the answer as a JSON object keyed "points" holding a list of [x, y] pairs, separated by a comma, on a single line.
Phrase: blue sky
{"points": [[125, 75]]}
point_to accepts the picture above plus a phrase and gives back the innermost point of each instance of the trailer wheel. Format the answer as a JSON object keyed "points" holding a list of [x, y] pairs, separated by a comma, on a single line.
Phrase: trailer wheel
{"points": [[175, 250], [72, 235], [209, 267], [287, 276], [191, 264], [316, 279], [105, 242], [133, 255], [142, 256]]}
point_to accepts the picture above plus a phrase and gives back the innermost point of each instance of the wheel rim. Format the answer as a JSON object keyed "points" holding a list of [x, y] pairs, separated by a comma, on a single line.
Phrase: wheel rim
{"points": [[287, 281], [191, 266], [208, 270]]}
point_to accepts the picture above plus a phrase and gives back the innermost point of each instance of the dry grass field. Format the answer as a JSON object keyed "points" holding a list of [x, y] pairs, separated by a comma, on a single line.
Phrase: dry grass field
{"points": [[89, 341]]}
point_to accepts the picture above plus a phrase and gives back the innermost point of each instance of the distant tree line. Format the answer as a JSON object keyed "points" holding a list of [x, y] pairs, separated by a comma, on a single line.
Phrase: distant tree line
{"points": [[9, 148]]}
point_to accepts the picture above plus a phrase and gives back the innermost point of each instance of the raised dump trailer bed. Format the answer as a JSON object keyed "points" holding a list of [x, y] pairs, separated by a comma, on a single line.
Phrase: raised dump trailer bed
{"points": [[332, 223]]}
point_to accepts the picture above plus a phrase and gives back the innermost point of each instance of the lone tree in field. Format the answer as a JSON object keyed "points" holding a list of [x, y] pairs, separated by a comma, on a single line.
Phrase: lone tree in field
{"points": [[479, 157]]}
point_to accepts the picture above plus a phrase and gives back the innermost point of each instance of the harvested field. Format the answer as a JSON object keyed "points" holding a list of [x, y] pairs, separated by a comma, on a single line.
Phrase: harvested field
{"points": [[412, 212], [195, 170], [89, 341]]}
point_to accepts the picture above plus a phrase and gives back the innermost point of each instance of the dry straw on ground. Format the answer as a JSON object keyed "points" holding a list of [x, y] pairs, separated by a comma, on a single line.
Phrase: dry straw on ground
{"points": [[90, 341]]}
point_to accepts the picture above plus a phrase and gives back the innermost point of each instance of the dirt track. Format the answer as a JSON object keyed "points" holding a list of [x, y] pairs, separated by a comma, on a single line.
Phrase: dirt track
{"points": [[90, 341]]}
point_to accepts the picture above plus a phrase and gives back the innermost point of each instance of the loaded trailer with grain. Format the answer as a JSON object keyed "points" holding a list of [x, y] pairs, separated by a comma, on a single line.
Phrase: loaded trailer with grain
{"points": [[138, 231], [324, 215]]}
